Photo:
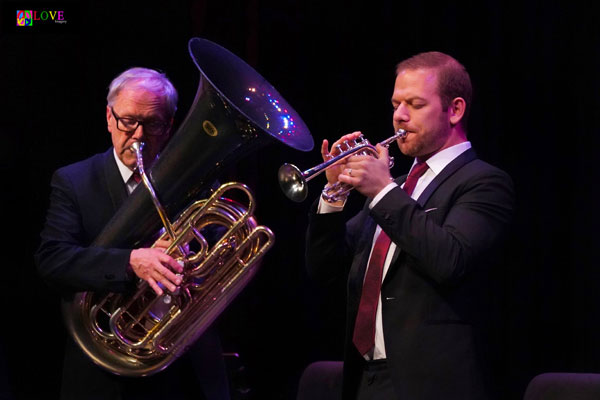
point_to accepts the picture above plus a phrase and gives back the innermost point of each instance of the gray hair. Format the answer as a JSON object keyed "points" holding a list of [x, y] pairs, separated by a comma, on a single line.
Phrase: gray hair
{"points": [[147, 79]]}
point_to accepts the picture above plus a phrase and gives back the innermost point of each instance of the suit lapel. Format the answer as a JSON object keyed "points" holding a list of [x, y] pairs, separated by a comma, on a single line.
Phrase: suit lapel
{"points": [[464, 158], [114, 181]]}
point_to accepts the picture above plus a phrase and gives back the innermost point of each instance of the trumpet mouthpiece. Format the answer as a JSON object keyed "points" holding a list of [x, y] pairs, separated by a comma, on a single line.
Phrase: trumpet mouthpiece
{"points": [[401, 133], [136, 146]]}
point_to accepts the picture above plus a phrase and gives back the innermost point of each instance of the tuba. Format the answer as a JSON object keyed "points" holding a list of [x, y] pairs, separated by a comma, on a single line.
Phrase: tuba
{"points": [[235, 111]]}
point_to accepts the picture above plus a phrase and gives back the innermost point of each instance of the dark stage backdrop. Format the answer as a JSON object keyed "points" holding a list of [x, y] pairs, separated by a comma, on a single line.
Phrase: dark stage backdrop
{"points": [[534, 67]]}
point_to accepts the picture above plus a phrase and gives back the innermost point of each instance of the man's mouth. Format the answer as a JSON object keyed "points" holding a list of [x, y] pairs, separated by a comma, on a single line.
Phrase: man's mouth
{"points": [[407, 132]]}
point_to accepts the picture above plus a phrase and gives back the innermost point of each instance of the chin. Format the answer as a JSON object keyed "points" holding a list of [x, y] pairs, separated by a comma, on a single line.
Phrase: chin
{"points": [[130, 162], [408, 150]]}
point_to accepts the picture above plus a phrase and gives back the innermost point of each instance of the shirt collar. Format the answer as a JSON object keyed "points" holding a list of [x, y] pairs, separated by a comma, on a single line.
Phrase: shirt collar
{"points": [[123, 169], [440, 160]]}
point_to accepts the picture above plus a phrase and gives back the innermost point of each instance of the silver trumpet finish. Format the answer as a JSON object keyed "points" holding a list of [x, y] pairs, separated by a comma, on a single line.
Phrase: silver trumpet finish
{"points": [[293, 181]]}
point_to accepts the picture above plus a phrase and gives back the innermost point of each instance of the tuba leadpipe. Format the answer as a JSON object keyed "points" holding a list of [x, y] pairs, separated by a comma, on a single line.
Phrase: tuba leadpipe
{"points": [[217, 240], [293, 181]]}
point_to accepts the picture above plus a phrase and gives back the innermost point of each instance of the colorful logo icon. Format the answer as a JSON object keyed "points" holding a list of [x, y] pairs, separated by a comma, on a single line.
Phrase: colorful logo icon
{"points": [[24, 18]]}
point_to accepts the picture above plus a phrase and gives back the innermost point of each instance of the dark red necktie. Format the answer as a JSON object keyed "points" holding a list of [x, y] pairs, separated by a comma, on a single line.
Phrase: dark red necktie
{"points": [[136, 176], [364, 328]]}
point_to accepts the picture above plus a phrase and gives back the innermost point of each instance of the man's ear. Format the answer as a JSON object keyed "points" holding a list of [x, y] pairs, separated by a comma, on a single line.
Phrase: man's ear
{"points": [[456, 111], [170, 129], [108, 116]]}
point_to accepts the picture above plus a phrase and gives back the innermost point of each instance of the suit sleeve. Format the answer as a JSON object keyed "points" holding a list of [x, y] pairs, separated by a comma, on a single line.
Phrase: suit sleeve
{"points": [[330, 244], [64, 258], [445, 243]]}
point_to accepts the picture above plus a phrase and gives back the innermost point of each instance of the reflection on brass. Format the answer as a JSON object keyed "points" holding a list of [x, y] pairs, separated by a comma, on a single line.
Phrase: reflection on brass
{"points": [[210, 128], [293, 181]]}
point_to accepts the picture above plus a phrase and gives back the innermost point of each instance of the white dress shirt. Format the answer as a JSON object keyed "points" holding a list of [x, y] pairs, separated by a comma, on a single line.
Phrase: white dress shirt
{"points": [[436, 164], [126, 174]]}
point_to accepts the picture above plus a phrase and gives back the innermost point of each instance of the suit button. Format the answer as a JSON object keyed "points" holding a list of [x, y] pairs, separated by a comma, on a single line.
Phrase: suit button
{"points": [[109, 276]]}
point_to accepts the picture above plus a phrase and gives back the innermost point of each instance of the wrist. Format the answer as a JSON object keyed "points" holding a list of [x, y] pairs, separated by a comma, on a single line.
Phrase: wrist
{"points": [[129, 268], [382, 193], [129, 272], [332, 197]]}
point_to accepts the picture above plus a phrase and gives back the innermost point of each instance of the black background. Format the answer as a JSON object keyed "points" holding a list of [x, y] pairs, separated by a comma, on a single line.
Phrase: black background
{"points": [[534, 67]]}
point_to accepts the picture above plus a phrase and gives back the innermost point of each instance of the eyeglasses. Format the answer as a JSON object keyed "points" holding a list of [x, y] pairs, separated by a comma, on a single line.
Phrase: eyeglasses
{"points": [[151, 128]]}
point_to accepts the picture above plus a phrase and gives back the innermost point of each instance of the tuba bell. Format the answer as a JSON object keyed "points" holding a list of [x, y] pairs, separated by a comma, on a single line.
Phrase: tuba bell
{"points": [[235, 111]]}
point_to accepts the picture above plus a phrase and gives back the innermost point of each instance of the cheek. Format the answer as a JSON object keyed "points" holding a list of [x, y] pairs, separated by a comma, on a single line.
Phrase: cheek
{"points": [[422, 118], [119, 142]]}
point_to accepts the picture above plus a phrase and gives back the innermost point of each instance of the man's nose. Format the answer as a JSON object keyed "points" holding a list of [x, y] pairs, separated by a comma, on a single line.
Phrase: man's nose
{"points": [[138, 134], [401, 114]]}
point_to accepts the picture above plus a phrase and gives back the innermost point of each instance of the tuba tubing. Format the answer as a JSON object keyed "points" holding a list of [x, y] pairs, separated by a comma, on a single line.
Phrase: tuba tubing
{"points": [[114, 350], [235, 112]]}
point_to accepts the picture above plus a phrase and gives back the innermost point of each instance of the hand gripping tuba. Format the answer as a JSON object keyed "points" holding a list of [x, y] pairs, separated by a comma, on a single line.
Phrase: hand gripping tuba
{"points": [[235, 111]]}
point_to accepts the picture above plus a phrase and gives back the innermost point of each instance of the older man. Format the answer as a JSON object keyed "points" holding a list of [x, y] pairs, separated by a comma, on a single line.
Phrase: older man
{"points": [[85, 195], [419, 257]]}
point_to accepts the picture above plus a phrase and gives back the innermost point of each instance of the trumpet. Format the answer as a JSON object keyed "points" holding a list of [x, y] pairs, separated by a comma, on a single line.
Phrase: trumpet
{"points": [[293, 181]]}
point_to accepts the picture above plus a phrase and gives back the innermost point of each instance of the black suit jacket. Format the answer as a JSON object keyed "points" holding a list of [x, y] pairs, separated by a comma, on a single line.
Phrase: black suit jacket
{"points": [[84, 197], [437, 299]]}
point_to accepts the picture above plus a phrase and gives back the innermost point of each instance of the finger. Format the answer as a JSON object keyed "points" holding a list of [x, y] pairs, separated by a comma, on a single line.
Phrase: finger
{"points": [[347, 179], [349, 172], [162, 279], [383, 151], [352, 136], [325, 149], [162, 244], [346, 138], [356, 161], [169, 275], [169, 261], [154, 286], [167, 284]]}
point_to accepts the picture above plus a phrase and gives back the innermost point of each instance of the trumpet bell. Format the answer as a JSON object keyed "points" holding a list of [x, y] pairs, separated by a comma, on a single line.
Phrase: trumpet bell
{"points": [[292, 182]]}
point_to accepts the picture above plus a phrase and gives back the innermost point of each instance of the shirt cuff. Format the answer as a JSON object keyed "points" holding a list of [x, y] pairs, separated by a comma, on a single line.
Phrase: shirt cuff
{"points": [[326, 208], [382, 193]]}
